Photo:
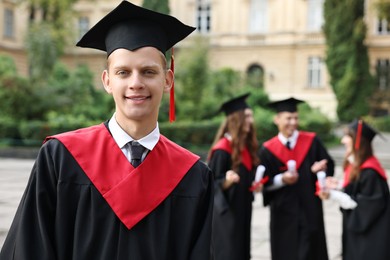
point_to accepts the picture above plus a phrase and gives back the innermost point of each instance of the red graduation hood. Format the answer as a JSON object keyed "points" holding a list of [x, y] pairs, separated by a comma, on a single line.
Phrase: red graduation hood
{"points": [[132, 193], [371, 163], [305, 139], [225, 145]]}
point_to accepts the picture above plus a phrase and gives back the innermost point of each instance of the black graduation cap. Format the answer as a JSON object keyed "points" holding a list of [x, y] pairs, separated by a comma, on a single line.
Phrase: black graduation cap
{"points": [[363, 129], [131, 27], [235, 104], [285, 105]]}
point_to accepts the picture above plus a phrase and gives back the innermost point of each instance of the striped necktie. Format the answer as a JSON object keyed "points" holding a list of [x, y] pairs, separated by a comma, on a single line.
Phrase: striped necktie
{"points": [[136, 151]]}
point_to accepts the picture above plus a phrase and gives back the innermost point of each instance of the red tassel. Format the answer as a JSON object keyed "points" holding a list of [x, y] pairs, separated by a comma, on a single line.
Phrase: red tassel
{"points": [[172, 116], [358, 134]]}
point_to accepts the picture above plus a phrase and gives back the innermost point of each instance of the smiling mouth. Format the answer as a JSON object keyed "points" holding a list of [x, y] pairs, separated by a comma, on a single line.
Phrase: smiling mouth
{"points": [[138, 98]]}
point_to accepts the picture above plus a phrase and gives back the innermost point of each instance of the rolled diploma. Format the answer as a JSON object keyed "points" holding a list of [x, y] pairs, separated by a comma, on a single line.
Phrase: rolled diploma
{"points": [[259, 173], [291, 165], [321, 175]]}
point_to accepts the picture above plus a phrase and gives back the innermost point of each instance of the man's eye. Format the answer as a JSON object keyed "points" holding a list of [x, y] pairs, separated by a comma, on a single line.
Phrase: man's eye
{"points": [[150, 72], [122, 73]]}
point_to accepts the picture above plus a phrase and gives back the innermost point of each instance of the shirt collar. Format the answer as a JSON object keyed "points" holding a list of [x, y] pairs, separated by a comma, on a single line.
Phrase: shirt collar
{"points": [[292, 139], [122, 138]]}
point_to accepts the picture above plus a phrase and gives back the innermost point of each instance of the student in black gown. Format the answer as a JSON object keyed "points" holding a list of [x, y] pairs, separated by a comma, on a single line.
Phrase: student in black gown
{"points": [[366, 232], [296, 221], [233, 160], [84, 199]]}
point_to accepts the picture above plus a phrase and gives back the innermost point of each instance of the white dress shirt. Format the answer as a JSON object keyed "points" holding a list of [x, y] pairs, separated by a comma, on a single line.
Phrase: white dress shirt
{"points": [[278, 182], [122, 138]]}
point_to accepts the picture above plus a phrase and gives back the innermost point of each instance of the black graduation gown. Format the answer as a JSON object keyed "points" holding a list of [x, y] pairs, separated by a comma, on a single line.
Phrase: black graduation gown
{"points": [[231, 236], [366, 229], [63, 215], [296, 223]]}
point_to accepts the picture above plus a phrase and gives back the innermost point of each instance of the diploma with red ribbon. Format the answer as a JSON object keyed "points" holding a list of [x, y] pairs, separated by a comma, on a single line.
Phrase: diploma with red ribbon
{"points": [[259, 180]]}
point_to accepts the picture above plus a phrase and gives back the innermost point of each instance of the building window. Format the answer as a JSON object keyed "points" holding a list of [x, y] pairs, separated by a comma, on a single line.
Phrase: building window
{"points": [[8, 28], [255, 76], [83, 26], [203, 16], [314, 72], [258, 16], [383, 27], [383, 73], [315, 15]]}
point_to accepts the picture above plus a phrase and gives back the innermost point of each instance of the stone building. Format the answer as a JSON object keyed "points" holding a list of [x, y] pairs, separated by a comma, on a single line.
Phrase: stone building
{"points": [[279, 41]]}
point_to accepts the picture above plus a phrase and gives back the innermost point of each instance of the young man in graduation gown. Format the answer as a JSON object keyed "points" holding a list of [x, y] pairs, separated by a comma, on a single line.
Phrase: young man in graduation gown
{"points": [[84, 199], [297, 225]]}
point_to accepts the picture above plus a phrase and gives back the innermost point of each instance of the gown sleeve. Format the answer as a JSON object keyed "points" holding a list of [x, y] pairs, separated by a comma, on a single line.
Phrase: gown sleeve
{"points": [[322, 153], [371, 201], [219, 165], [202, 238], [31, 235]]}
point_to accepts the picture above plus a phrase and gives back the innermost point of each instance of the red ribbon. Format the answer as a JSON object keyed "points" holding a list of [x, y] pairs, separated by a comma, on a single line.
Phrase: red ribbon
{"points": [[172, 115], [358, 134], [257, 184]]}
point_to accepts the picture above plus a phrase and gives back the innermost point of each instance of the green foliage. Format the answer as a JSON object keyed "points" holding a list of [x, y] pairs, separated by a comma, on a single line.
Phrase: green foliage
{"points": [[16, 97], [383, 9], [42, 51], [9, 127], [191, 81], [51, 26], [66, 100], [7, 66], [74, 93], [264, 123], [347, 57], [161, 6], [313, 120], [189, 133], [381, 124], [258, 97]]}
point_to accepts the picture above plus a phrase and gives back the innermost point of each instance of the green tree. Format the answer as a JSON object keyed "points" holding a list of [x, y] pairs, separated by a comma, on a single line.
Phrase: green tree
{"points": [[15, 97], [347, 57], [383, 8], [7, 66], [191, 80], [161, 6], [48, 34]]}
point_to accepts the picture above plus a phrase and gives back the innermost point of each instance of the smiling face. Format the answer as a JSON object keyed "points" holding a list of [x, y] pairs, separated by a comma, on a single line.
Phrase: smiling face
{"points": [[287, 122], [137, 80]]}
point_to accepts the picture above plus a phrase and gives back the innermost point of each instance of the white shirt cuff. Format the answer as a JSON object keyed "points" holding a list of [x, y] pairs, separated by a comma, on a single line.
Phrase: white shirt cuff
{"points": [[277, 183]]}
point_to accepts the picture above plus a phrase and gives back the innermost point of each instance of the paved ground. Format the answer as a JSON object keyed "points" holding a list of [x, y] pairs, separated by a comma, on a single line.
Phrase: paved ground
{"points": [[14, 174]]}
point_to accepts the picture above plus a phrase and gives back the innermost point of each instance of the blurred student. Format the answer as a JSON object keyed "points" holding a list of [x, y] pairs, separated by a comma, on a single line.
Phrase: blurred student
{"points": [[365, 198], [233, 161], [120, 189], [297, 224]]}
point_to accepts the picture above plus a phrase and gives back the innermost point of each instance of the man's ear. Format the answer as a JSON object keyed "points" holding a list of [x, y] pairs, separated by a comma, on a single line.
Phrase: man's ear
{"points": [[169, 78], [106, 81], [276, 119]]}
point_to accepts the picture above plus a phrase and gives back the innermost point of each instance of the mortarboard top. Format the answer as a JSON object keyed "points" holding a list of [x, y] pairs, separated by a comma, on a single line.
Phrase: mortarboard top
{"points": [[235, 104], [285, 105], [366, 130], [131, 27]]}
